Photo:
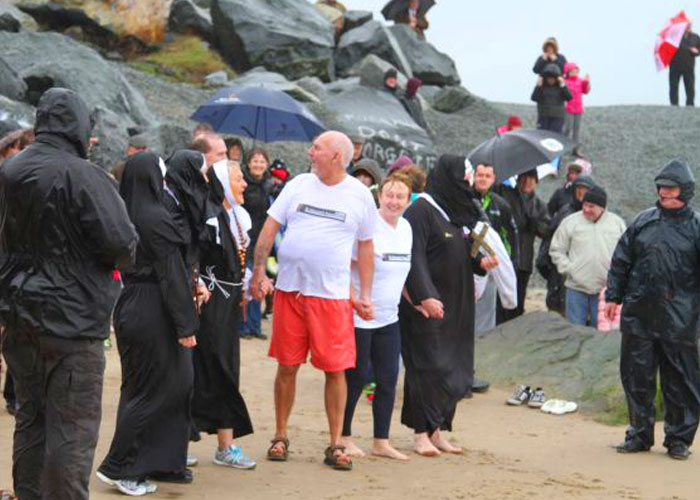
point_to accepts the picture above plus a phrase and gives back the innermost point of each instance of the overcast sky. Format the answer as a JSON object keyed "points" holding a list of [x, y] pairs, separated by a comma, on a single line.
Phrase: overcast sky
{"points": [[495, 43]]}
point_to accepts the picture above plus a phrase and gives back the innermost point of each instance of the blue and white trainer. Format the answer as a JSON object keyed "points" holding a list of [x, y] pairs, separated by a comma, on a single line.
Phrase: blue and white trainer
{"points": [[234, 457]]}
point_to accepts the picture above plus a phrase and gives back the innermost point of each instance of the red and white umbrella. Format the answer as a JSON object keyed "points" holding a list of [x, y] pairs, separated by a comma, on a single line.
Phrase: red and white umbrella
{"points": [[669, 39]]}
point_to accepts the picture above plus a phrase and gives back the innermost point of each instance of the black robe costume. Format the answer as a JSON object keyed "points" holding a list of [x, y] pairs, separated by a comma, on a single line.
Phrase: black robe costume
{"points": [[217, 402], [439, 354], [154, 310]]}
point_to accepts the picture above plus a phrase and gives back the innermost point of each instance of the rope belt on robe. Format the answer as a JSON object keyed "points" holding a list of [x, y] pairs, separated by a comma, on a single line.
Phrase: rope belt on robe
{"points": [[214, 282]]}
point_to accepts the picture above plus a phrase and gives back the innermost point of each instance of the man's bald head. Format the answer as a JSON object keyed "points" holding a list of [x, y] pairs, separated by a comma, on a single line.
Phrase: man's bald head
{"points": [[331, 154]]}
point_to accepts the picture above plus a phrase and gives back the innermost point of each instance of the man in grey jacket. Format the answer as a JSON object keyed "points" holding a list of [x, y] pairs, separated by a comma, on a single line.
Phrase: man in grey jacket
{"points": [[581, 249]]}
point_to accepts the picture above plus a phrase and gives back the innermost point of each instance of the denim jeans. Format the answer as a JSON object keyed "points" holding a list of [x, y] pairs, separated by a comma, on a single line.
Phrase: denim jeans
{"points": [[580, 306]]}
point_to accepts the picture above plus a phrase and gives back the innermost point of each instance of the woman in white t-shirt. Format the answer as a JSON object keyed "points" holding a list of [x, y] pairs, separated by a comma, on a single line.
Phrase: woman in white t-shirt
{"points": [[379, 340]]}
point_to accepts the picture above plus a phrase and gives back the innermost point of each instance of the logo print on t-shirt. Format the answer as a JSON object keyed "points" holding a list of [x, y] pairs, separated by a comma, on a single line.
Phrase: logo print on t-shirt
{"points": [[396, 257], [324, 213]]}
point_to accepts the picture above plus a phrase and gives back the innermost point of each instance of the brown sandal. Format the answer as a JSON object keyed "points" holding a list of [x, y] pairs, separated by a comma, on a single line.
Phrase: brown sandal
{"points": [[334, 461], [282, 457]]}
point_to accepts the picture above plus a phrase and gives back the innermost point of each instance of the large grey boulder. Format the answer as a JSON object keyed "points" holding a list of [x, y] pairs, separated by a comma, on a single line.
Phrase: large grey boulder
{"points": [[313, 85], [12, 19], [11, 85], [570, 362], [258, 77], [356, 18], [289, 37], [370, 38], [450, 99], [187, 17], [427, 63], [15, 115], [380, 118], [58, 61], [372, 69]]}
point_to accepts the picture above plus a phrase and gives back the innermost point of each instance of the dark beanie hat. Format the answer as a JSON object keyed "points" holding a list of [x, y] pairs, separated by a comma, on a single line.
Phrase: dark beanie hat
{"points": [[597, 196], [390, 73]]}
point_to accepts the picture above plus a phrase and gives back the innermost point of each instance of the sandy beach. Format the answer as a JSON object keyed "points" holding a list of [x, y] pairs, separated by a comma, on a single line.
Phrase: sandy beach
{"points": [[511, 452]]}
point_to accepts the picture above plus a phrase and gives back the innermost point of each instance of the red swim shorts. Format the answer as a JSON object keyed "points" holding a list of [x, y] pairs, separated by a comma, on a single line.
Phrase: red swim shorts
{"points": [[323, 326]]}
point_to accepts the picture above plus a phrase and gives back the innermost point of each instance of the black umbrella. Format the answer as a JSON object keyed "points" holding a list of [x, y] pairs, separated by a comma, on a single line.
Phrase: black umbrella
{"points": [[520, 150], [394, 7]]}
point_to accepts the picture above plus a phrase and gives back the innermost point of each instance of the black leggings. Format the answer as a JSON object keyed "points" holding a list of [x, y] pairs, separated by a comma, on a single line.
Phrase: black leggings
{"points": [[377, 353]]}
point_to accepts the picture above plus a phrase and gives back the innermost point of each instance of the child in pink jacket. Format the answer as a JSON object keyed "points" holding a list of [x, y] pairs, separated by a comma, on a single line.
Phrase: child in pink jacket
{"points": [[574, 106]]}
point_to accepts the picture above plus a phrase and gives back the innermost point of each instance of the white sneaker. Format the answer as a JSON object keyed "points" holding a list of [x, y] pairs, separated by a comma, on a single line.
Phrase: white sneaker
{"points": [[192, 460], [129, 487]]}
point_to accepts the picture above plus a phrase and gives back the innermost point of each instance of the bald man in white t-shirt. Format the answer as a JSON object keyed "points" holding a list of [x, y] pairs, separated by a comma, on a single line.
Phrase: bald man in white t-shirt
{"points": [[325, 213]]}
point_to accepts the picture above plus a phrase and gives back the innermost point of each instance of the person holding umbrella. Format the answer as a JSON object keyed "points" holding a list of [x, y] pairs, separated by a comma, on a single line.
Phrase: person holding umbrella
{"points": [[683, 66], [411, 12], [532, 219]]}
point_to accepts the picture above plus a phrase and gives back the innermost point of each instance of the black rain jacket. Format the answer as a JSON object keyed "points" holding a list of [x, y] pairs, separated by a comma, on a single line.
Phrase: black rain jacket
{"points": [[655, 270], [64, 229]]}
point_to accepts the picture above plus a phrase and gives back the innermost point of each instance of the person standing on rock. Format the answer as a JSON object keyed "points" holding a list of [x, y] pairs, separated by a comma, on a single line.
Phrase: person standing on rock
{"points": [[655, 275], [550, 54], [581, 249], [64, 230], [551, 95], [414, 18], [411, 102], [325, 212], [683, 66]]}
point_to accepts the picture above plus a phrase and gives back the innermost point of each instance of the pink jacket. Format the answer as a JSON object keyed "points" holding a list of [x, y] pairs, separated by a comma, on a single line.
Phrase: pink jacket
{"points": [[577, 86]]}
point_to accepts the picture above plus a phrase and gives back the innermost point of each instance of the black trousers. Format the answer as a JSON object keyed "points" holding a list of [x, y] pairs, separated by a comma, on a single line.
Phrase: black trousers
{"points": [[503, 315], [674, 76], [59, 391], [550, 123], [677, 364], [8, 391]]}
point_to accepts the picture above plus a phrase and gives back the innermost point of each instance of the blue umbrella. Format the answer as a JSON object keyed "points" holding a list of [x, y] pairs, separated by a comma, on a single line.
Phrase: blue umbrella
{"points": [[259, 113]]}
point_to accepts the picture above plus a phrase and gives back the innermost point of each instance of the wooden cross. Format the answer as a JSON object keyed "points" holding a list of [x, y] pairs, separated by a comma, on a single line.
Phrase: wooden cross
{"points": [[480, 242]]}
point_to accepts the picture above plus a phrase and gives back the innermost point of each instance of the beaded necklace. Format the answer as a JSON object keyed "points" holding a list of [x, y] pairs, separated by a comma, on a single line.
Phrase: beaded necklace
{"points": [[240, 248]]}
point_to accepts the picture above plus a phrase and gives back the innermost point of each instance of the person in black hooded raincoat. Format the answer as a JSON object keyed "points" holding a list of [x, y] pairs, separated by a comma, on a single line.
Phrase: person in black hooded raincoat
{"points": [[155, 321], [655, 274], [64, 229], [437, 313]]}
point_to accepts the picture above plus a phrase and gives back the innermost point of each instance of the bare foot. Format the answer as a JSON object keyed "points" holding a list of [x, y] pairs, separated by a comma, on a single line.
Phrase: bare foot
{"points": [[443, 444], [382, 448], [351, 448], [423, 446]]}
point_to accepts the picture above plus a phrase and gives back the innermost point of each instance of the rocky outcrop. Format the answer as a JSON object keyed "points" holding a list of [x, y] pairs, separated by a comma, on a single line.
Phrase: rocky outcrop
{"points": [[450, 99], [12, 19], [356, 18], [186, 17], [14, 115], [11, 85], [355, 45], [372, 69], [126, 26], [569, 361], [291, 38], [380, 118], [258, 77], [426, 62], [57, 61]]}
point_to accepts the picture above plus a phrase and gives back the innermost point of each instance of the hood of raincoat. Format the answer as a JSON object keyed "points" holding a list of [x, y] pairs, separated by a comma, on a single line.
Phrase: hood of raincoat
{"points": [[62, 113], [370, 166], [677, 172], [570, 66]]}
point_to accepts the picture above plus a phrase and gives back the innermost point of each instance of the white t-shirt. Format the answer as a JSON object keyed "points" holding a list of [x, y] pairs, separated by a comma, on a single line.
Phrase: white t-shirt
{"points": [[392, 261], [323, 222]]}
